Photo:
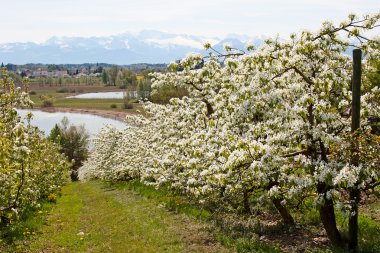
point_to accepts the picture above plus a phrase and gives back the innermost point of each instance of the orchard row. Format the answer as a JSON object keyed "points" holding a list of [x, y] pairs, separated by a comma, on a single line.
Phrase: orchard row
{"points": [[273, 122]]}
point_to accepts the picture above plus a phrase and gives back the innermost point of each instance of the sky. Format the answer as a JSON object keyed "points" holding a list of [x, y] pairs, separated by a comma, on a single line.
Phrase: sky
{"points": [[38, 20]]}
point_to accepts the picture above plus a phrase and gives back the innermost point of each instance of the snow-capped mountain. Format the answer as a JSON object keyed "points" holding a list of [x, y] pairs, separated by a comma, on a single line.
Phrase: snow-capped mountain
{"points": [[148, 46]]}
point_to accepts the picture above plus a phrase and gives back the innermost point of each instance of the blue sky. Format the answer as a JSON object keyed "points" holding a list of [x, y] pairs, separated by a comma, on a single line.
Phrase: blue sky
{"points": [[37, 20]]}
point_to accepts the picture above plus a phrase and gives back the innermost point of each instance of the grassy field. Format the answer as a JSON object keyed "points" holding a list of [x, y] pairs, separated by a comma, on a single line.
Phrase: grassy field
{"points": [[57, 94], [72, 88], [132, 217], [92, 217]]}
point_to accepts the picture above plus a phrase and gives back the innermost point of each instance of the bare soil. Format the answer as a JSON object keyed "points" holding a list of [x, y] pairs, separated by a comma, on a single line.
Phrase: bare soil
{"points": [[103, 113]]}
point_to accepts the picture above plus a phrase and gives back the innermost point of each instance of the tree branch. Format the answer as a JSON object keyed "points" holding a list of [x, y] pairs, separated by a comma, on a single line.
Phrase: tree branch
{"points": [[302, 152]]}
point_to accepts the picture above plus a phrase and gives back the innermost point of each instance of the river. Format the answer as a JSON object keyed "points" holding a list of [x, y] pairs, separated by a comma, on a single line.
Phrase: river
{"points": [[102, 95], [45, 121]]}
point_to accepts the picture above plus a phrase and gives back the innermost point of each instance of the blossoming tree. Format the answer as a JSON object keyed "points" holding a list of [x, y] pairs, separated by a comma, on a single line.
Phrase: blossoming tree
{"points": [[31, 167], [272, 120]]}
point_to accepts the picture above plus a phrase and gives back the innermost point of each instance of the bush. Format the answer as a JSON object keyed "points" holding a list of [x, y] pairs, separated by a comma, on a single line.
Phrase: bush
{"points": [[127, 105], [32, 92], [113, 106], [63, 90], [47, 101], [47, 104], [73, 141]]}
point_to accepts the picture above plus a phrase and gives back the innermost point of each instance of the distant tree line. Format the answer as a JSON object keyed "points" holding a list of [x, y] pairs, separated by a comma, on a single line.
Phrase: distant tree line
{"points": [[132, 78], [35, 66]]}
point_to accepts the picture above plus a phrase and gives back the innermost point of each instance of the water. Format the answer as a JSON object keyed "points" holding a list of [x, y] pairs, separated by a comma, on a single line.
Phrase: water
{"points": [[115, 95], [45, 121]]}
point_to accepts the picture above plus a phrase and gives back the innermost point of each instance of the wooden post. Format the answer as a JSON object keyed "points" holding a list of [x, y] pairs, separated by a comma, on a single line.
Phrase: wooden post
{"points": [[355, 125], [356, 83]]}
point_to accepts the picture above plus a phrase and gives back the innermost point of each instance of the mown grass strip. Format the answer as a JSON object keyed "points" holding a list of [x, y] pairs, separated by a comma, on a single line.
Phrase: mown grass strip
{"points": [[182, 205], [63, 225], [92, 217]]}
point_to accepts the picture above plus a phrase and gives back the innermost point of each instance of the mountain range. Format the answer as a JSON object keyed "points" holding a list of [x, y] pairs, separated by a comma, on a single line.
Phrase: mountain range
{"points": [[147, 46]]}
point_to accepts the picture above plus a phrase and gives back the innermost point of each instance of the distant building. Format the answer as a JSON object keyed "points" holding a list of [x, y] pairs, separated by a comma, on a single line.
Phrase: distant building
{"points": [[58, 73], [72, 71], [81, 75], [28, 73], [45, 73], [40, 73], [84, 71]]}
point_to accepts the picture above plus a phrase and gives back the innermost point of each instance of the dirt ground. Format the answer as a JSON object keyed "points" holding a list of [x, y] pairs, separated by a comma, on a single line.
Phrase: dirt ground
{"points": [[103, 113]]}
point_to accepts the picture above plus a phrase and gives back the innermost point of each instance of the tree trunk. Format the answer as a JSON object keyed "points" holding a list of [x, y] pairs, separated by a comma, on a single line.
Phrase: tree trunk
{"points": [[327, 214], [246, 205], [284, 212], [353, 227]]}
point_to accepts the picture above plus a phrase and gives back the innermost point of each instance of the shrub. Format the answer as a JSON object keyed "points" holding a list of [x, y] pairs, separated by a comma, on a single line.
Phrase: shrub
{"points": [[63, 90], [113, 106], [47, 101], [73, 141], [127, 105]]}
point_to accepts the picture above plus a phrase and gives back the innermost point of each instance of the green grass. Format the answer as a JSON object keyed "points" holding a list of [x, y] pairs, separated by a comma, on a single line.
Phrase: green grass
{"points": [[133, 217], [59, 99], [369, 234], [245, 245], [181, 204], [166, 198], [117, 220], [88, 103], [369, 224], [14, 237], [101, 104], [63, 224]]}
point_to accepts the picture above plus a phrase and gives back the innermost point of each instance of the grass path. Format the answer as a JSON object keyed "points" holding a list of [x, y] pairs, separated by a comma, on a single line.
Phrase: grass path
{"points": [[91, 217]]}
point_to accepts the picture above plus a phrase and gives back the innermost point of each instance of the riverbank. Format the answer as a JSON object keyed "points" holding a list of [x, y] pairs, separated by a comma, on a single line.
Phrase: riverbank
{"points": [[117, 115]]}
